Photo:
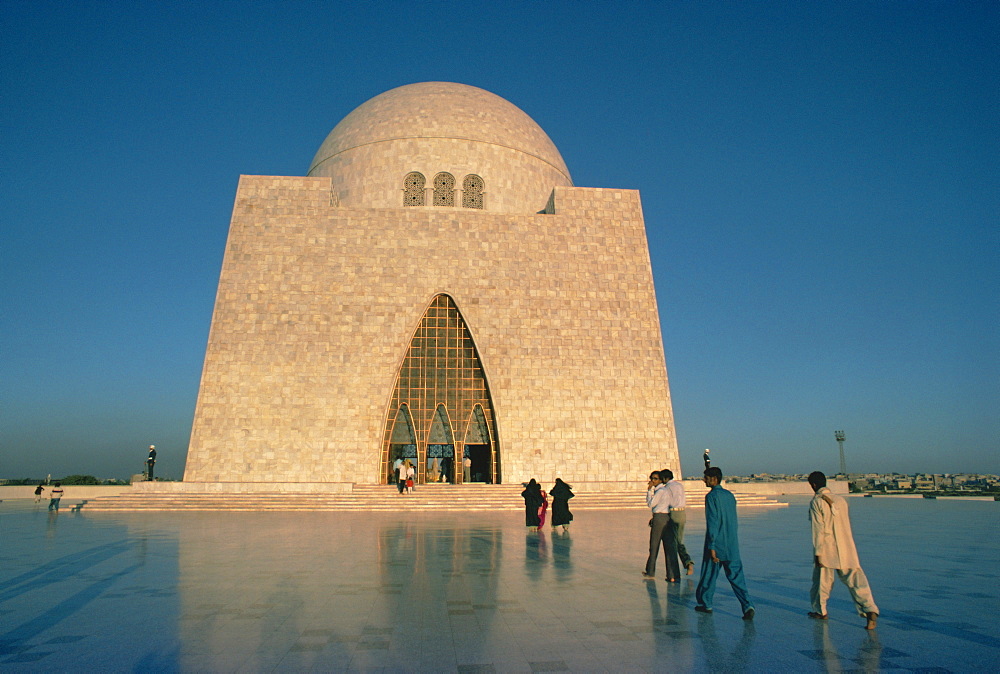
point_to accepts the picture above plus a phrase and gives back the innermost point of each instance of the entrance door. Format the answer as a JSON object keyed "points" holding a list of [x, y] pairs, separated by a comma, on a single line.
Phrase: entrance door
{"points": [[479, 449], [480, 457], [402, 444]]}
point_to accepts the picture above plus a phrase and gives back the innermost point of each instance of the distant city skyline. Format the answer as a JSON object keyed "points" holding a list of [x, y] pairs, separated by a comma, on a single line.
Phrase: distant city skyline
{"points": [[820, 185]]}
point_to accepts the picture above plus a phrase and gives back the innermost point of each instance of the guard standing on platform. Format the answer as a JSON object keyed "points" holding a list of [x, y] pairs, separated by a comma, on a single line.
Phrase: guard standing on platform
{"points": [[150, 462]]}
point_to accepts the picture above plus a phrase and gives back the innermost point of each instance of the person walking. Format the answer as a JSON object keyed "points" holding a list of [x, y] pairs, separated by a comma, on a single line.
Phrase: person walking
{"points": [[656, 499], [677, 504], [561, 493], [533, 500], [38, 492], [544, 508], [54, 496], [834, 554], [722, 547]]}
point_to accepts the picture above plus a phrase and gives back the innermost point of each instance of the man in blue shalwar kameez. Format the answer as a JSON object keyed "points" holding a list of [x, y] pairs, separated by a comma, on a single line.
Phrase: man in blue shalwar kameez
{"points": [[722, 547]]}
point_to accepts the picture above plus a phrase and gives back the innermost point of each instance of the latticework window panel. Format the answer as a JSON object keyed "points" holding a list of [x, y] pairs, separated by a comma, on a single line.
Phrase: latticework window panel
{"points": [[444, 189], [441, 369], [472, 192], [413, 189]]}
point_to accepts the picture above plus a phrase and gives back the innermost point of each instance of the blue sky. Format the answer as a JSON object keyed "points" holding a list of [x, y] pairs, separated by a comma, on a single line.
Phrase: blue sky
{"points": [[820, 184]]}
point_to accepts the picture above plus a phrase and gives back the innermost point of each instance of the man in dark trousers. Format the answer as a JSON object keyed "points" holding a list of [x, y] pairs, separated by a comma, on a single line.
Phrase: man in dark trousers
{"points": [[150, 462], [722, 547]]}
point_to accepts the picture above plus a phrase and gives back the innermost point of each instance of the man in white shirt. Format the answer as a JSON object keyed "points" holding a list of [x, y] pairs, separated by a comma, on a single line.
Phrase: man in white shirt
{"points": [[55, 495], [662, 499], [397, 467], [656, 499], [835, 554], [677, 503]]}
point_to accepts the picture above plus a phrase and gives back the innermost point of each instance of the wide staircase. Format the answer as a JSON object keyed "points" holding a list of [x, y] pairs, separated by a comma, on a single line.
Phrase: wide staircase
{"points": [[369, 498]]}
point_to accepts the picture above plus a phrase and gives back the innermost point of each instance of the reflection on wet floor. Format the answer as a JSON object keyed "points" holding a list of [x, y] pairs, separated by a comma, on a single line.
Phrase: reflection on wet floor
{"points": [[475, 592]]}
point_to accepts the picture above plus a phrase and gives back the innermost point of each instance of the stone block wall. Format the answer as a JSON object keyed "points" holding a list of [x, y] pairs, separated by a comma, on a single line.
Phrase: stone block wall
{"points": [[317, 304]]}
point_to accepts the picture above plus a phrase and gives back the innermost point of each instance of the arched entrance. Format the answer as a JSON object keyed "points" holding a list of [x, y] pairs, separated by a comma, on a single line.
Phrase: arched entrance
{"points": [[402, 442], [477, 453], [441, 383], [441, 449]]}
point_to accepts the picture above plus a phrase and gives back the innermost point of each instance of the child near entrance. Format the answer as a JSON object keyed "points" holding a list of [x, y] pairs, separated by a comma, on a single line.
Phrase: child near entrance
{"points": [[411, 475]]}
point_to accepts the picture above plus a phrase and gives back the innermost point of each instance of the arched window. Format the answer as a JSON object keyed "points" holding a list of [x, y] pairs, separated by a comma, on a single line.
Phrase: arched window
{"points": [[472, 192], [444, 189], [441, 385], [413, 189]]}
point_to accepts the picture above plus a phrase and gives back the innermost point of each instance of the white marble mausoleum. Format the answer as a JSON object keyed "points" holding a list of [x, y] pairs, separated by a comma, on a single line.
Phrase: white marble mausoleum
{"points": [[435, 288]]}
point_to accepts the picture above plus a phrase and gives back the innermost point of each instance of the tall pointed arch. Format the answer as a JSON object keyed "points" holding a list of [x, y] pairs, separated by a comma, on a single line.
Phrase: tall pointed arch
{"points": [[482, 460], [441, 382], [402, 441], [440, 447]]}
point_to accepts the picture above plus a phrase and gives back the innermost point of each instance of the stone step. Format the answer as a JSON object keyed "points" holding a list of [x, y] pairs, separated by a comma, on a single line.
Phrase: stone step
{"points": [[368, 498]]}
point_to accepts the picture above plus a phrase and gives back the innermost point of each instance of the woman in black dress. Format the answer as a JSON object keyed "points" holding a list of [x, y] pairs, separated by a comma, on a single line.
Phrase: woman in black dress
{"points": [[561, 493], [532, 496]]}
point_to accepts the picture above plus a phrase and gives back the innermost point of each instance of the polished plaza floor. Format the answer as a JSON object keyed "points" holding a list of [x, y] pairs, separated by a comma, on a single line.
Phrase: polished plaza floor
{"points": [[468, 592]]}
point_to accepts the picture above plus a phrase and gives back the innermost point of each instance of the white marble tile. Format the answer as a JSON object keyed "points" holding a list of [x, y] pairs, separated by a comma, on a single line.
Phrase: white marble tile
{"points": [[364, 592]]}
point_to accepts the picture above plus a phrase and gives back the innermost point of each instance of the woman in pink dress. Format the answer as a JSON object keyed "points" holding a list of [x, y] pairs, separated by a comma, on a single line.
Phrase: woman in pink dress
{"points": [[542, 509]]}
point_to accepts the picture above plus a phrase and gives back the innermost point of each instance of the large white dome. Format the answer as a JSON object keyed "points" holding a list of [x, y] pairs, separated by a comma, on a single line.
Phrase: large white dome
{"points": [[440, 127]]}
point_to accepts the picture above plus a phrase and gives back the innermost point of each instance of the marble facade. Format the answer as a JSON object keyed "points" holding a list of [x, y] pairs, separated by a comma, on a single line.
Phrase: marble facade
{"points": [[326, 277]]}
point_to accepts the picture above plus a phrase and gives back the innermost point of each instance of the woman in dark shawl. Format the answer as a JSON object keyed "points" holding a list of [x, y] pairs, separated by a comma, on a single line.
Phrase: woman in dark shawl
{"points": [[561, 493], [533, 500]]}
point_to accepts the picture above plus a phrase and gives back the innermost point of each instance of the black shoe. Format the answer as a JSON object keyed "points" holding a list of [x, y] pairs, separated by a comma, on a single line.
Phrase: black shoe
{"points": [[647, 576], [749, 614], [702, 609]]}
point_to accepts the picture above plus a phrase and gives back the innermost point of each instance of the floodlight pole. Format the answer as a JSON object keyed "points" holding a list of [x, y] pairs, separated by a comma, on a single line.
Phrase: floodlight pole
{"points": [[840, 441]]}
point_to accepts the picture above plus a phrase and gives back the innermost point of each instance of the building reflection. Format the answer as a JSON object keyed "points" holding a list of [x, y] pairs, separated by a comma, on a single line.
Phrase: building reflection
{"points": [[292, 583]]}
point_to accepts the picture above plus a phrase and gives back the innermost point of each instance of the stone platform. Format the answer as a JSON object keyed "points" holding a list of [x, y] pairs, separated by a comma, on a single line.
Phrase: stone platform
{"points": [[378, 498], [468, 592]]}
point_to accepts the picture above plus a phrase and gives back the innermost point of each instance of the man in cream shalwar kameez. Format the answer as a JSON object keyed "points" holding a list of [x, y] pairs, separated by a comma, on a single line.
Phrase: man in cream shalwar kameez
{"points": [[835, 554]]}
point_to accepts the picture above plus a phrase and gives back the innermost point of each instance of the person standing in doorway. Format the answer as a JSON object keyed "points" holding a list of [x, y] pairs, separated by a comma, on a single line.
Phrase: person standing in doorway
{"points": [[54, 496], [834, 554], [677, 504], [411, 476], [150, 462], [722, 547], [397, 465]]}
